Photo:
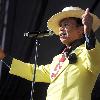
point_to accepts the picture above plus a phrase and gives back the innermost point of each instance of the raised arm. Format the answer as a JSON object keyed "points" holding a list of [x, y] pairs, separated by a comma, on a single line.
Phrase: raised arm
{"points": [[25, 70], [92, 45]]}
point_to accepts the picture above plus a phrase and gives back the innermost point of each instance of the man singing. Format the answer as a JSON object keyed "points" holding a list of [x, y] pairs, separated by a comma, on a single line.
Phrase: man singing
{"points": [[72, 74]]}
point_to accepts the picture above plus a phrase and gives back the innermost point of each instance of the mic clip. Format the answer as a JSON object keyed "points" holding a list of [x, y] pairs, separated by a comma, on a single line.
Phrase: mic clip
{"points": [[39, 34]]}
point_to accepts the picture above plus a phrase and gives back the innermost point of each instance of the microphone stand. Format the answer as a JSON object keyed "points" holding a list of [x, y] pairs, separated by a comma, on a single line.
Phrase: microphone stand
{"points": [[34, 66], [37, 35]]}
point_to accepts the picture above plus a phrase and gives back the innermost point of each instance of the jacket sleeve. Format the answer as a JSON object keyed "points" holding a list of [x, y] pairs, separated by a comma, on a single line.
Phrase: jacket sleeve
{"points": [[93, 58], [26, 70]]}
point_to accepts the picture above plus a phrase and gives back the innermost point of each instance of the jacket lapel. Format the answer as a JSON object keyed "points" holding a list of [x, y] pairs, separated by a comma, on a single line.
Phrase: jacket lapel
{"points": [[56, 71]]}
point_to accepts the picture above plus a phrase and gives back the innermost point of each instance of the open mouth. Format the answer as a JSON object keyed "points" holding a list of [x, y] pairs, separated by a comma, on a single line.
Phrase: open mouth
{"points": [[63, 35]]}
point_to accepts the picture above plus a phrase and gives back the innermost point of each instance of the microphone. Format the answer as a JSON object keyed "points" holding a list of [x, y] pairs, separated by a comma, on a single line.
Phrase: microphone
{"points": [[39, 34]]}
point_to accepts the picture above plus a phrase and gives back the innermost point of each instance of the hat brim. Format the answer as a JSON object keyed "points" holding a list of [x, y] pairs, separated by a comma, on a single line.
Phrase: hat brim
{"points": [[53, 22]]}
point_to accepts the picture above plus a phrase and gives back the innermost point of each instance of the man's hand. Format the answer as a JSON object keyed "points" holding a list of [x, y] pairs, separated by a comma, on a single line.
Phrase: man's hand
{"points": [[2, 54], [87, 21]]}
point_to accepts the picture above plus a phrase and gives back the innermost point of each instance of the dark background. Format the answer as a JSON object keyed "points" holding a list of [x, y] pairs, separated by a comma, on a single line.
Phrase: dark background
{"points": [[29, 16]]}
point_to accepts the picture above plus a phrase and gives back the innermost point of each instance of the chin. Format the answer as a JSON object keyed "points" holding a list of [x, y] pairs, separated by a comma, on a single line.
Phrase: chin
{"points": [[65, 42]]}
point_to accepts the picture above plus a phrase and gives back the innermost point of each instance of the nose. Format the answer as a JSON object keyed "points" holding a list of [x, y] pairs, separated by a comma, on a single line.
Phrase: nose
{"points": [[61, 29]]}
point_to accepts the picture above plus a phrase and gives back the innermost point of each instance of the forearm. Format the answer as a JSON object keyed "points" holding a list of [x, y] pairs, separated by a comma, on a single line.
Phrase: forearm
{"points": [[93, 48], [26, 70], [90, 40]]}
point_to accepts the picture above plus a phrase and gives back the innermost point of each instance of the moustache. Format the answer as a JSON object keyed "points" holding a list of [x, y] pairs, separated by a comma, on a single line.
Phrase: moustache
{"points": [[63, 34]]}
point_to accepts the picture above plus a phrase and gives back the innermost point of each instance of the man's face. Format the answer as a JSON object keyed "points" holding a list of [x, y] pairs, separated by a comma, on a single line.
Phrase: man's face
{"points": [[69, 31]]}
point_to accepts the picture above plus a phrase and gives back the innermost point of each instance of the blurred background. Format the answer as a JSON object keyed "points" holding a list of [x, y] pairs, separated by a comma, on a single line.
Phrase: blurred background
{"points": [[21, 16]]}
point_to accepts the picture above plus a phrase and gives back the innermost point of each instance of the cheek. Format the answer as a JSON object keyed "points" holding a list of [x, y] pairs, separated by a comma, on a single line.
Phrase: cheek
{"points": [[70, 30]]}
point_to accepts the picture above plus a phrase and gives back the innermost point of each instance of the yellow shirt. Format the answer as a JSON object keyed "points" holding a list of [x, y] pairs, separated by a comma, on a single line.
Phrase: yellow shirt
{"points": [[72, 81]]}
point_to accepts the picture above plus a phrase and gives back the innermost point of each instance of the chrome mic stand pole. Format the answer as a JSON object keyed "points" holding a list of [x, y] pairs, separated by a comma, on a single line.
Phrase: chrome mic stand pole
{"points": [[34, 67]]}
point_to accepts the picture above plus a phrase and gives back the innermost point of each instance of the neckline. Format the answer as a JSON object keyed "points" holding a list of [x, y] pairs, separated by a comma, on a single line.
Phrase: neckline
{"points": [[73, 46]]}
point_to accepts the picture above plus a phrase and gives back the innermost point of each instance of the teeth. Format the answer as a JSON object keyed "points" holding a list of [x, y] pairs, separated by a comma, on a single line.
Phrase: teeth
{"points": [[65, 34]]}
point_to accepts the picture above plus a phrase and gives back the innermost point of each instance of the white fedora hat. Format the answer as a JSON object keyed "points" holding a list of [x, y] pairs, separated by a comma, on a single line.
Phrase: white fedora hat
{"points": [[53, 22]]}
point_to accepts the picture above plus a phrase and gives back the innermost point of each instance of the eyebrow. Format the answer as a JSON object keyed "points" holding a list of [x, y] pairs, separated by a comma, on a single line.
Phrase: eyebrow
{"points": [[62, 21], [78, 21]]}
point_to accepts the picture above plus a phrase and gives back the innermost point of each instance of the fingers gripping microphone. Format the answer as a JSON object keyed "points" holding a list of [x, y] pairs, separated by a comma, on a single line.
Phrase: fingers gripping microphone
{"points": [[39, 34]]}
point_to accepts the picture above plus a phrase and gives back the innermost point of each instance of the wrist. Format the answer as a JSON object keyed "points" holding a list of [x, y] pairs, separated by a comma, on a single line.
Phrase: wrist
{"points": [[3, 56], [88, 29], [7, 60]]}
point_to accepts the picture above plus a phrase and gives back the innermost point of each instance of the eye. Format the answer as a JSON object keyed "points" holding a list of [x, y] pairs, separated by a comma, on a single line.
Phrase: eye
{"points": [[66, 24]]}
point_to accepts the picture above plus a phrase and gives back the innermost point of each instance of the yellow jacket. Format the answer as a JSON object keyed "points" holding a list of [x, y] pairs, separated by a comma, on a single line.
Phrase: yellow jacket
{"points": [[72, 82]]}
